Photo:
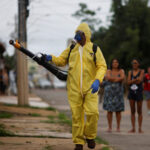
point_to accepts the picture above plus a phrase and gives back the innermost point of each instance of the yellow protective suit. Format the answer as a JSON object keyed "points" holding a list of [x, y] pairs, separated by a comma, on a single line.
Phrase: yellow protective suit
{"points": [[81, 74]]}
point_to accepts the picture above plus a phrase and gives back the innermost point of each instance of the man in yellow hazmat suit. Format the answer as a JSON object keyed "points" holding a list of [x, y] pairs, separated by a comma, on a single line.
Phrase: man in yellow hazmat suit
{"points": [[84, 78]]}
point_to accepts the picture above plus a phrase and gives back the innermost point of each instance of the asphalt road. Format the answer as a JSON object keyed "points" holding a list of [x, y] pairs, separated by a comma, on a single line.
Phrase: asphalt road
{"points": [[121, 141]]}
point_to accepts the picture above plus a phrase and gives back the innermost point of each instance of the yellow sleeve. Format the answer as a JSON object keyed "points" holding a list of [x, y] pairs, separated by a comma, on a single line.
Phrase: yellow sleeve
{"points": [[62, 59], [101, 66]]}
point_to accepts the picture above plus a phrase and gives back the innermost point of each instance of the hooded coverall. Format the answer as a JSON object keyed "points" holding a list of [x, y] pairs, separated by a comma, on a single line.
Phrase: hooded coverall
{"points": [[81, 74]]}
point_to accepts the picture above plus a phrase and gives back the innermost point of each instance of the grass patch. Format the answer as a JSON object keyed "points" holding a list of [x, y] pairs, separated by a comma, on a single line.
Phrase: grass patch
{"points": [[33, 107], [105, 148], [61, 118], [51, 117], [49, 121], [34, 114], [51, 108], [5, 115], [64, 119], [2, 126], [4, 132], [2, 143], [99, 140], [10, 105], [47, 147]]}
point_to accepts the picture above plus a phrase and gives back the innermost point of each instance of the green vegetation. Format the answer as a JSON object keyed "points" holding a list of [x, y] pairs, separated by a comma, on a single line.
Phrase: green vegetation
{"points": [[49, 121], [127, 35], [105, 148], [4, 132], [2, 143], [87, 15], [34, 114], [27, 106], [10, 61], [64, 119], [48, 147], [2, 126], [99, 140], [5, 115], [51, 117], [50, 108], [10, 105], [61, 118]]}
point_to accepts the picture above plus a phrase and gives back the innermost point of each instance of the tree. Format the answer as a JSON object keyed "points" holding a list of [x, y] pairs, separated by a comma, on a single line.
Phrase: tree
{"points": [[2, 48], [10, 62], [87, 15], [128, 35]]}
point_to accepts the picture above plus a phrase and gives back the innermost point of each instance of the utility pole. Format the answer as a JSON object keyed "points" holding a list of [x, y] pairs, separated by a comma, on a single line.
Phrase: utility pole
{"points": [[22, 73]]}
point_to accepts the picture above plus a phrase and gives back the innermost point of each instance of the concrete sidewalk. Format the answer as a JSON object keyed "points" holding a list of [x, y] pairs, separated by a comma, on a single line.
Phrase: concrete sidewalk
{"points": [[33, 101], [26, 143], [122, 140], [23, 128], [30, 128]]}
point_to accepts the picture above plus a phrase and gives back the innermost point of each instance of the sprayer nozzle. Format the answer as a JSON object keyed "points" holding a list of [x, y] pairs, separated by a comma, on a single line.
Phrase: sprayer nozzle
{"points": [[74, 42], [15, 44], [11, 42]]}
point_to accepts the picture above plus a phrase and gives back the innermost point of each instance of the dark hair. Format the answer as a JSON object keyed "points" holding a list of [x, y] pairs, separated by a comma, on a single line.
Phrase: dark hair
{"points": [[136, 60], [112, 63]]}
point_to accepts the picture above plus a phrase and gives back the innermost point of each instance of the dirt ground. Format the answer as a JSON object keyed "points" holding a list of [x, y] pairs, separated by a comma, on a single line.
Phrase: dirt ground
{"points": [[26, 110], [35, 129], [25, 143]]}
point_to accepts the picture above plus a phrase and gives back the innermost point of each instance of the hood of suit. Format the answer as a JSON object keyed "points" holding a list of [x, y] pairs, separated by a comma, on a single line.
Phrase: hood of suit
{"points": [[86, 29]]}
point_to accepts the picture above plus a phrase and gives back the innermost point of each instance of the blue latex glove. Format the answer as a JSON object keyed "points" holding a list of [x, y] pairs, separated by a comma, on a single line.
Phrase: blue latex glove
{"points": [[48, 57], [95, 86]]}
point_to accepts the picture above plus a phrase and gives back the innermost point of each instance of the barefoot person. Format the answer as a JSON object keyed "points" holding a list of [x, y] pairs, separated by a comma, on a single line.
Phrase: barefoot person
{"points": [[84, 78], [147, 89], [135, 82], [113, 93]]}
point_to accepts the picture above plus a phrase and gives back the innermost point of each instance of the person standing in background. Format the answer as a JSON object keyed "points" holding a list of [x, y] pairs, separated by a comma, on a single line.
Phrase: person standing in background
{"points": [[3, 81], [147, 88], [135, 96], [113, 93]]}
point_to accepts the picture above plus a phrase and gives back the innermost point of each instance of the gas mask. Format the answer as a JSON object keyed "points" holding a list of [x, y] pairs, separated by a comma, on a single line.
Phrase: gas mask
{"points": [[78, 37]]}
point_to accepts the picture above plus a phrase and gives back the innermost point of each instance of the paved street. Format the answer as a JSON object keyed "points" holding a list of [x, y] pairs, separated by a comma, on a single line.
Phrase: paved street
{"points": [[121, 141]]}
